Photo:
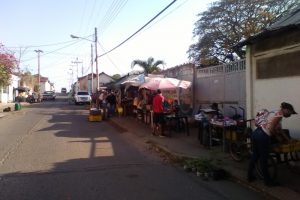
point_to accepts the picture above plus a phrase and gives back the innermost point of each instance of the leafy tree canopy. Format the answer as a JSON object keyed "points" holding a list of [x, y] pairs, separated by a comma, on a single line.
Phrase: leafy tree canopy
{"points": [[28, 79], [227, 22], [116, 76], [149, 65], [8, 64]]}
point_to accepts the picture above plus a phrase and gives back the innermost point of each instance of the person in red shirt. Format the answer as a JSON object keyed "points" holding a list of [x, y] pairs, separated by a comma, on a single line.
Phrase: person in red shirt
{"points": [[158, 113]]}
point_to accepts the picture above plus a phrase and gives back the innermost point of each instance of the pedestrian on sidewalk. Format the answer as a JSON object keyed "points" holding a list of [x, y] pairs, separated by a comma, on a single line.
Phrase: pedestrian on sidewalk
{"points": [[261, 140], [158, 114]]}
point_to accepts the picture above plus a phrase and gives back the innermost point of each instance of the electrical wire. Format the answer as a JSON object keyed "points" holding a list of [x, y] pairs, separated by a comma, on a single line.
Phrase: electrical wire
{"points": [[52, 51], [44, 45], [110, 18], [138, 29], [91, 15], [163, 17], [82, 16], [110, 60]]}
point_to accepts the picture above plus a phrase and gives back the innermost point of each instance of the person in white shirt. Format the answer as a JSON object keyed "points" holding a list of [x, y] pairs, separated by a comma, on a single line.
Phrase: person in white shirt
{"points": [[261, 140]]}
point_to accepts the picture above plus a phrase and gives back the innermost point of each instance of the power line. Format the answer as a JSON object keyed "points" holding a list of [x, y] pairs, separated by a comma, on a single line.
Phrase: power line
{"points": [[91, 15], [112, 15], [110, 60], [82, 16], [53, 51], [138, 29]]}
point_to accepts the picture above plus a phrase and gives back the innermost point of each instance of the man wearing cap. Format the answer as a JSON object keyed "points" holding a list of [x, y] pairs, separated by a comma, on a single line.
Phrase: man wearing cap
{"points": [[261, 140]]}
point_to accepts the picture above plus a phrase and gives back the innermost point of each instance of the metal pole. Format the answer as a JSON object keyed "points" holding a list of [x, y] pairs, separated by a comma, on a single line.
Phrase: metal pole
{"points": [[96, 59], [92, 68], [39, 75], [77, 66], [77, 62]]}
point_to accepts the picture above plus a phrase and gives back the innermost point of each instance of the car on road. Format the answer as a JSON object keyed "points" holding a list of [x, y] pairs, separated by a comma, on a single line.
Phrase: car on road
{"points": [[64, 90], [34, 97], [49, 95], [82, 97]]}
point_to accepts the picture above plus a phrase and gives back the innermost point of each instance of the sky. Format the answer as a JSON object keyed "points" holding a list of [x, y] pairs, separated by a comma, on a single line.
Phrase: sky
{"points": [[46, 25]]}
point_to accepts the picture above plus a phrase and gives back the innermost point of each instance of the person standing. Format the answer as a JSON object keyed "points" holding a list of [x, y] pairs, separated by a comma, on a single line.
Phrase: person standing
{"points": [[158, 113], [111, 104], [261, 140]]}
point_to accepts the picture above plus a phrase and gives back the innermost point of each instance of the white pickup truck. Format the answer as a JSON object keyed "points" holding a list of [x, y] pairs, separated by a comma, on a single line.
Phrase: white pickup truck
{"points": [[82, 97]]}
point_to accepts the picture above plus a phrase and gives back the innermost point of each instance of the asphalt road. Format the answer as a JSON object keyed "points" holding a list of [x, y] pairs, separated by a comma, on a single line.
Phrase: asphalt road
{"points": [[51, 151]]}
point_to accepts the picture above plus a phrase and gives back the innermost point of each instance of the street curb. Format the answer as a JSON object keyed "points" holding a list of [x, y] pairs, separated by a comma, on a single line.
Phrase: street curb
{"points": [[178, 158], [14, 112]]}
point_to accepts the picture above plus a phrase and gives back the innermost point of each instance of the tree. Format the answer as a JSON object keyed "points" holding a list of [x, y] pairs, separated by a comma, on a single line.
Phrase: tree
{"points": [[29, 80], [116, 76], [149, 66], [8, 64], [227, 22]]}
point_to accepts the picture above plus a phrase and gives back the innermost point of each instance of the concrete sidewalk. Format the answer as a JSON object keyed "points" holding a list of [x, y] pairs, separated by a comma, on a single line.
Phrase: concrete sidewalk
{"points": [[182, 146], [12, 107]]}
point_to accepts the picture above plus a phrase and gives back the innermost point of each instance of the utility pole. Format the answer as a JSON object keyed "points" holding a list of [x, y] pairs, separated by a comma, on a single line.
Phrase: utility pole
{"points": [[38, 51], [92, 62], [77, 62], [96, 58], [71, 76]]}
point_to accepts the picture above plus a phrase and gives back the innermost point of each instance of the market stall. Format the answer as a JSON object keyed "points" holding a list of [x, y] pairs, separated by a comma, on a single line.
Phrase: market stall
{"points": [[171, 89]]}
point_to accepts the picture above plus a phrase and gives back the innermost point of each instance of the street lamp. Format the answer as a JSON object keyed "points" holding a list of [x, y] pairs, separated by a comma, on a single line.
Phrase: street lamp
{"points": [[96, 56], [38, 51]]}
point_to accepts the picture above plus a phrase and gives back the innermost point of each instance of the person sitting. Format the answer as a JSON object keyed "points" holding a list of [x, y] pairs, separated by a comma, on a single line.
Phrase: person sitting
{"points": [[176, 108], [216, 113]]}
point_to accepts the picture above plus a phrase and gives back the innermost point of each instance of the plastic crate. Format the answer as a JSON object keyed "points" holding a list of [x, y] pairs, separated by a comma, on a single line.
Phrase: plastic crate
{"points": [[95, 112], [283, 148], [233, 135], [95, 118], [286, 148]]}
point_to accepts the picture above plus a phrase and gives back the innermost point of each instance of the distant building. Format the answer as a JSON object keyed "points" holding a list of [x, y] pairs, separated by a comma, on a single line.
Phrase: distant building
{"points": [[183, 72], [85, 82]]}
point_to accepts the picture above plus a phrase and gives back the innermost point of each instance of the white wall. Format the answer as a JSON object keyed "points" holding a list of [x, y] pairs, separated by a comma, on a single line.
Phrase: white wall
{"points": [[270, 93], [8, 96], [14, 84]]}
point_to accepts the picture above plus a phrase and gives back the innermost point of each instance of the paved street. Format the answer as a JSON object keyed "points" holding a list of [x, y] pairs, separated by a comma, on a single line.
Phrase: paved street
{"points": [[51, 151]]}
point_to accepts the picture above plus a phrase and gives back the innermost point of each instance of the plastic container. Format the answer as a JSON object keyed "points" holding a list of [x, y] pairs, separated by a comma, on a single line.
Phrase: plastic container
{"points": [[95, 118], [17, 106]]}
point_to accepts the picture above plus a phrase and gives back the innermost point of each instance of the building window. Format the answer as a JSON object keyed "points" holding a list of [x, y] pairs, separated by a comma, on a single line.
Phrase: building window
{"points": [[284, 65]]}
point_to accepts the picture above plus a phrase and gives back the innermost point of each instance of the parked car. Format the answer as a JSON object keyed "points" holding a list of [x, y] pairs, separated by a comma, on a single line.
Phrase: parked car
{"points": [[34, 97], [49, 95], [64, 90], [82, 97]]}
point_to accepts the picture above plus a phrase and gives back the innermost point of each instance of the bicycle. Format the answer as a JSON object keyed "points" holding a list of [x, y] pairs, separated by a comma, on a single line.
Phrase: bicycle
{"points": [[240, 146]]}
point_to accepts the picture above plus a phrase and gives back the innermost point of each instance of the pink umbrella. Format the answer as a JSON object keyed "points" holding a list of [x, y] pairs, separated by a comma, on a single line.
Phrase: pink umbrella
{"points": [[165, 83]]}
